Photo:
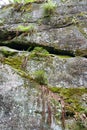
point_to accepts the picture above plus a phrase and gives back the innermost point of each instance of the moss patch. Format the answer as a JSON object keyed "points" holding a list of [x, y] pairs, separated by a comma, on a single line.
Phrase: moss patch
{"points": [[40, 77], [64, 56], [39, 53], [49, 8], [72, 98], [28, 29], [17, 63]]}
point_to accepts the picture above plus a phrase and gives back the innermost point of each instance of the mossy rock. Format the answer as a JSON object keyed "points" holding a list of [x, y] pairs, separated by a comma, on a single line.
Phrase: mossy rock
{"points": [[72, 98]]}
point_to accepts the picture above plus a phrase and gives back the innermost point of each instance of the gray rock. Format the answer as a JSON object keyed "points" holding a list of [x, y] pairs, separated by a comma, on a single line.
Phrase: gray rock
{"points": [[18, 101], [64, 30], [67, 72]]}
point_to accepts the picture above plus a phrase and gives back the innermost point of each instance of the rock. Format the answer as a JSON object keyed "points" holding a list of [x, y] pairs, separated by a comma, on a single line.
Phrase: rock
{"points": [[67, 72], [61, 71], [17, 108], [25, 104], [21, 102], [6, 52], [63, 31]]}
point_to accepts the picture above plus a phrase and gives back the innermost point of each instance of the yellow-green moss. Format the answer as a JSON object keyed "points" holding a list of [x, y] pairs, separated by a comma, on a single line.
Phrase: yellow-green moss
{"points": [[72, 98], [16, 62], [49, 8], [39, 53], [63, 56], [29, 29]]}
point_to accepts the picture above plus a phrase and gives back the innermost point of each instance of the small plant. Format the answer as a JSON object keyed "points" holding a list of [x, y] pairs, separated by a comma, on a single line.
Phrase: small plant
{"points": [[49, 8], [40, 77], [29, 29]]}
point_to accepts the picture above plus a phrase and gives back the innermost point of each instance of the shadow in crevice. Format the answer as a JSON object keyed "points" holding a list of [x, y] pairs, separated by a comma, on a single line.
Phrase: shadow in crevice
{"points": [[29, 47]]}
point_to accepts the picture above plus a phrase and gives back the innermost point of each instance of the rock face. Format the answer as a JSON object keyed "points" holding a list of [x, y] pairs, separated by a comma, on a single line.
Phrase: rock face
{"points": [[56, 44], [22, 103], [65, 30], [17, 103], [68, 72]]}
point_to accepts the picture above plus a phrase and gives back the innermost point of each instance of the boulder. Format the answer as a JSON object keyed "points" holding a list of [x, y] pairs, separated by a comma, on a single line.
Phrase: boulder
{"points": [[65, 30], [17, 101], [61, 71]]}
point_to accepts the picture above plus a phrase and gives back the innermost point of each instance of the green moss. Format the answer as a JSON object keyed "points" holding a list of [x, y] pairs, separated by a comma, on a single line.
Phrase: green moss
{"points": [[72, 98], [49, 8], [40, 77], [20, 1], [64, 56], [39, 52], [29, 29], [16, 63]]}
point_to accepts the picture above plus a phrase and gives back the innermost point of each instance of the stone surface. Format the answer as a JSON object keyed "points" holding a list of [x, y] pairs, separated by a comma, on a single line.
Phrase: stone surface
{"points": [[21, 103], [18, 101], [65, 30], [66, 72]]}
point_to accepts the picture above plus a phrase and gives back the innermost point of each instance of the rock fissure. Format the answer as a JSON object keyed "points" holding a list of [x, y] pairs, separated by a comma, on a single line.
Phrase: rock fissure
{"points": [[51, 50]]}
